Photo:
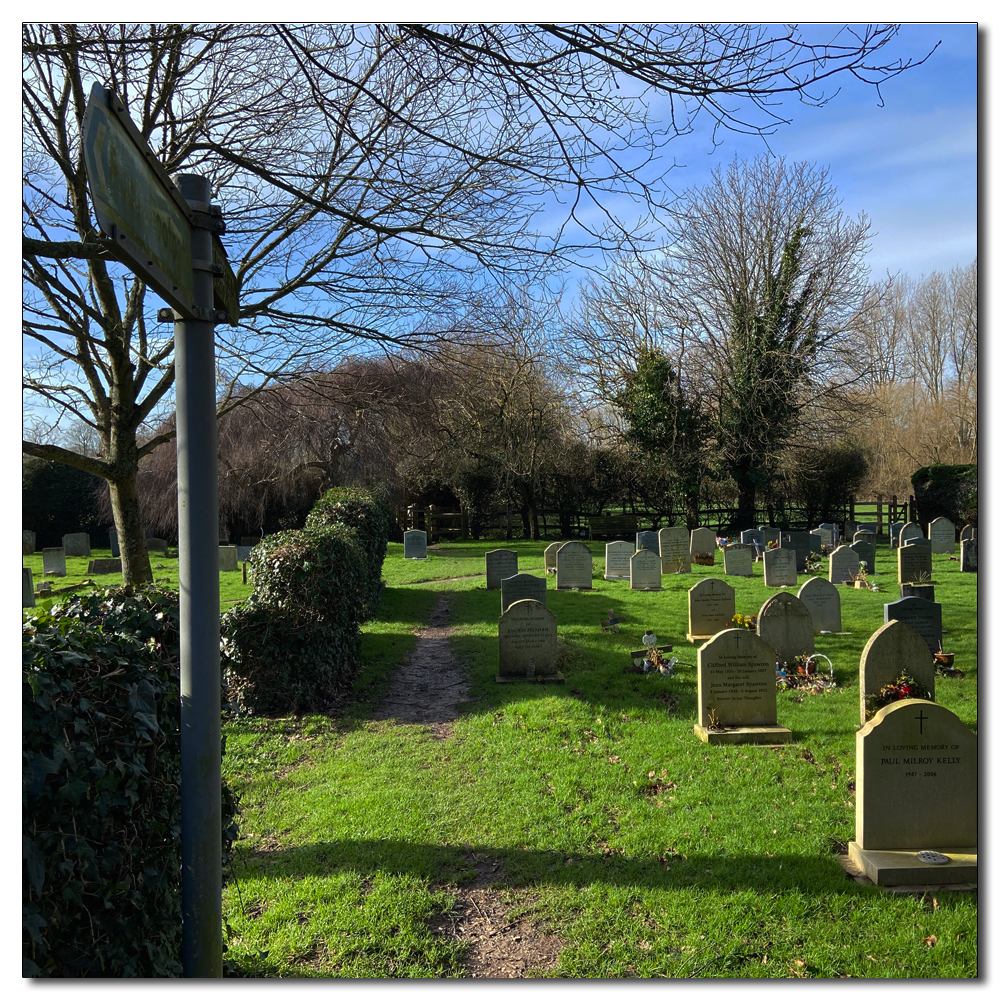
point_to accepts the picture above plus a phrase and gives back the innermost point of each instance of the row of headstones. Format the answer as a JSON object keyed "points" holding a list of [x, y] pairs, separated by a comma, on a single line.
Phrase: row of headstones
{"points": [[916, 778]]}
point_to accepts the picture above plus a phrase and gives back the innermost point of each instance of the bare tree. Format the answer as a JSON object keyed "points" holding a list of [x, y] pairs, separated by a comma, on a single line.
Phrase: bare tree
{"points": [[370, 175]]}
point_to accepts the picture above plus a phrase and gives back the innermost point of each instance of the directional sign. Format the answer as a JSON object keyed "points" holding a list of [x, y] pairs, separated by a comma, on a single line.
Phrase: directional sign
{"points": [[136, 203], [227, 292]]}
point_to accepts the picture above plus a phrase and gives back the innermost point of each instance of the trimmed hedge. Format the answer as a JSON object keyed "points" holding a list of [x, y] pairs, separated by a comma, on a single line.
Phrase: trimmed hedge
{"points": [[101, 814], [950, 491], [293, 645]]}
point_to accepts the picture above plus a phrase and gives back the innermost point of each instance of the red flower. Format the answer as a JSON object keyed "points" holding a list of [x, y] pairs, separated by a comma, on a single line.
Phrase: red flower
{"points": [[906, 689]]}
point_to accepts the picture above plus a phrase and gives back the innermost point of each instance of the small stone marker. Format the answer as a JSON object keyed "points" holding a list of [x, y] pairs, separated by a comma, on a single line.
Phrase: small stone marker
{"points": [[914, 564], [648, 540], [894, 529], [54, 561], [917, 790], [798, 541], [844, 564], [941, 532], [27, 588], [227, 559], [113, 540], [737, 699], [574, 567], [102, 567], [414, 544], [675, 550], [27, 544], [786, 625], [550, 556], [711, 606], [737, 560], [528, 643], [866, 553], [521, 587], [909, 530], [893, 649], [924, 617], [500, 563], [77, 544], [967, 532], [703, 545], [969, 560], [616, 557], [644, 570], [779, 568], [823, 601]]}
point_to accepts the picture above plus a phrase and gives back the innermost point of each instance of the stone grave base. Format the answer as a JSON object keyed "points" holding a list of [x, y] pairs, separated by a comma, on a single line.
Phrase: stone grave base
{"points": [[574, 588], [903, 868], [744, 734], [556, 678], [414, 557], [698, 638], [606, 577]]}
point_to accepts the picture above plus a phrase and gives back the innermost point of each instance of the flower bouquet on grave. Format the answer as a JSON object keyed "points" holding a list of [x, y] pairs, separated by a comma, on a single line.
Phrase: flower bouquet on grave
{"points": [[944, 664], [904, 686], [749, 622], [860, 581], [814, 563], [804, 675]]}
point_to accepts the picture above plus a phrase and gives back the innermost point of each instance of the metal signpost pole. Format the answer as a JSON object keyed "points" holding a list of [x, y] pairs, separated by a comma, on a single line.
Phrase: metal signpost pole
{"points": [[198, 516]]}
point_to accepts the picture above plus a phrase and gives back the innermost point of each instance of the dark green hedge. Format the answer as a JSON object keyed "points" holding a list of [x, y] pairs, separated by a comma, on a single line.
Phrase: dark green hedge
{"points": [[101, 788], [950, 491], [293, 645], [57, 499]]}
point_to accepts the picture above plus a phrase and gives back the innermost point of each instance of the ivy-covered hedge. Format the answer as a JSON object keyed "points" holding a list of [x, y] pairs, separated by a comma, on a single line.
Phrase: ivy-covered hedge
{"points": [[101, 788], [950, 491], [293, 645]]}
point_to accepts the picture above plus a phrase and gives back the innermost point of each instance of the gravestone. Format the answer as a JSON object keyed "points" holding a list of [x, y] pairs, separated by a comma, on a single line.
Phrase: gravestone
{"points": [[864, 536], [941, 532], [616, 557], [871, 528], [914, 564], [798, 541], [102, 567], [27, 544], [894, 529], [648, 540], [770, 534], [866, 553], [831, 533], [849, 528], [967, 532], [922, 542], [156, 545], [737, 700], [893, 649], [521, 587], [27, 588], [227, 559], [500, 563], [969, 560], [550, 556], [816, 542], [909, 530], [703, 545], [823, 601], [675, 550], [249, 540], [916, 819], [844, 564], [737, 560], [574, 567], [779, 568], [924, 590], [644, 570], [754, 536], [414, 544], [786, 625], [54, 561], [924, 617], [243, 553], [711, 606], [77, 544], [113, 539], [528, 642]]}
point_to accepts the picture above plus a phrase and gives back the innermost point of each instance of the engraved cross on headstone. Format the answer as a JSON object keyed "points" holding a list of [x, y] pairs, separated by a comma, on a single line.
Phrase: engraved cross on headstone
{"points": [[921, 718]]}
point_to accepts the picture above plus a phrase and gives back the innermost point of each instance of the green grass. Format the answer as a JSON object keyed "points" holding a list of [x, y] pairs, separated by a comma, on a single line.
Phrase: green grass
{"points": [[647, 852], [232, 590]]}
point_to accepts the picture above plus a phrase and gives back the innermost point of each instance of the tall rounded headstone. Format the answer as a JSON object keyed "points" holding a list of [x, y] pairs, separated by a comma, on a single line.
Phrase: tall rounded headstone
{"points": [[616, 560], [574, 567], [414, 544], [500, 563], [528, 642], [941, 532], [892, 650], [823, 601], [845, 564], [675, 550], [786, 625], [711, 606]]}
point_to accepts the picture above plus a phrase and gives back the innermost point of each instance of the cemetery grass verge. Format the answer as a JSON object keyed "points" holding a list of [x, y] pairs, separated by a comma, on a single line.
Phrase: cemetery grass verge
{"points": [[646, 852]]}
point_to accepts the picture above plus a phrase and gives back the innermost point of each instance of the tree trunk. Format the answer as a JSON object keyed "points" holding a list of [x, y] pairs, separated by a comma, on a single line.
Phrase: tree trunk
{"points": [[746, 508], [533, 515], [131, 536]]}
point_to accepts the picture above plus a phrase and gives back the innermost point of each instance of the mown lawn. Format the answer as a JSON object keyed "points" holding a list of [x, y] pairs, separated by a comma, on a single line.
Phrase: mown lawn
{"points": [[648, 853]]}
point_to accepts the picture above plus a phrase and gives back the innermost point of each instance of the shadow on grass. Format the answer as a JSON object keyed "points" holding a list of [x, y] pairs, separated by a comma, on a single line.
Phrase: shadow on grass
{"points": [[454, 865]]}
